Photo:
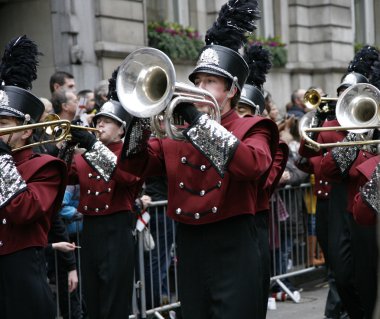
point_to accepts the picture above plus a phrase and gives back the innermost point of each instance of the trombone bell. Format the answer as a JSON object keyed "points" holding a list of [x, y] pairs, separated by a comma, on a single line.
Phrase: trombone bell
{"points": [[359, 106]]}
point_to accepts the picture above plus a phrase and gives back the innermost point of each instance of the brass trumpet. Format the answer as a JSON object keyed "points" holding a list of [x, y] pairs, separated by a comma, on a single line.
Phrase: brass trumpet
{"points": [[57, 129], [313, 99]]}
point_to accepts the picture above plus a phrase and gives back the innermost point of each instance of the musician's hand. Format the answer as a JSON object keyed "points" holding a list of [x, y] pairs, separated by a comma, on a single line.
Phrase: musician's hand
{"points": [[188, 111], [73, 280], [4, 148], [84, 138], [321, 115]]}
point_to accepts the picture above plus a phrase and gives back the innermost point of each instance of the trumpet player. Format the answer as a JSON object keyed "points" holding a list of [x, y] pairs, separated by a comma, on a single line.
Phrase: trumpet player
{"points": [[32, 188], [212, 190]]}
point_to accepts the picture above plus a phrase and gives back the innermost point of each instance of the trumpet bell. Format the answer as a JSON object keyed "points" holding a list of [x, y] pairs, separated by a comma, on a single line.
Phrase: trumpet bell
{"points": [[359, 105], [145, 82], [312, 99]]}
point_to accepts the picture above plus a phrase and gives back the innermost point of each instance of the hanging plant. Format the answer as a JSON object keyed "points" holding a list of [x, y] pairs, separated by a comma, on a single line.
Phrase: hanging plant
{"points": [[178, 42]]}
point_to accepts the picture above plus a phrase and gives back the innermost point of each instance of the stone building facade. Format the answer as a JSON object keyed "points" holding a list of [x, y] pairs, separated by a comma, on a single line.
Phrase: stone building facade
{"points": [[90, 38]]}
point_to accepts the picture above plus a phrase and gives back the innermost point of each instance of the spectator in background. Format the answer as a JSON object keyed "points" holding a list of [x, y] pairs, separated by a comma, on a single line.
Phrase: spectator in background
{"points": [[86, 100], [62, 80], [101, 94], [297, 107], [65, 104], [48, 108]]}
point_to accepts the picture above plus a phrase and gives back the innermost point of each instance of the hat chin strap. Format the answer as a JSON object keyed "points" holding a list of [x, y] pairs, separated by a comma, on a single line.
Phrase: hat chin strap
{"points": [[233, 85]]}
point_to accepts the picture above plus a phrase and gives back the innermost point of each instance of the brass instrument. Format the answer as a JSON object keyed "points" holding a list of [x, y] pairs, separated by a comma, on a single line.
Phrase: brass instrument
{"points": [[357, 110], [57, 129], [55, 117], [147, 88], [313, 99]]}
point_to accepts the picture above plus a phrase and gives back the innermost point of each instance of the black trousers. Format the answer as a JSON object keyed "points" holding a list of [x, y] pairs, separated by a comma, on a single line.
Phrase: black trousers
{"points": [[340, 252], [219, 270], [108, 255], [262, 224], [334, 306], [24, 290], [364, 247]]}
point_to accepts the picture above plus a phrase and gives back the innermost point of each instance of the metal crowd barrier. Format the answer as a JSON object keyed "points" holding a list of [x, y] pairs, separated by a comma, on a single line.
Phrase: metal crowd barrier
{"points": [[156, 289], [292, 207]]}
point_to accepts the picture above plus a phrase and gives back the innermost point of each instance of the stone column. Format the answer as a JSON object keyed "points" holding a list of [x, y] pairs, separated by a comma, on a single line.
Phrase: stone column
{"points": [[320, 42]]}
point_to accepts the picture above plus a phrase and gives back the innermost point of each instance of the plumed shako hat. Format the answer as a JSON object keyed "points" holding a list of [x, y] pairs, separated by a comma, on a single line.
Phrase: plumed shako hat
{"points": [[259, 63], [18, 69], [228, 34], [359, 69]]}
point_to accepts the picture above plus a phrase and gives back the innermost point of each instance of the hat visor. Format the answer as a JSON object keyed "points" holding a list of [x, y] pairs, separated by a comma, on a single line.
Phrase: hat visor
{"points": [[114, 117], [208, 70], [247, 101], [10, 113]]}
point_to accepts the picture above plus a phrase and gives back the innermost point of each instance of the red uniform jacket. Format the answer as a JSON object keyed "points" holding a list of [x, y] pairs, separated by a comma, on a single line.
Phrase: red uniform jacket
{"points": [[266, 190], [322, 186], [98, 197], [25, 221], [196, 193], [363, 213]]}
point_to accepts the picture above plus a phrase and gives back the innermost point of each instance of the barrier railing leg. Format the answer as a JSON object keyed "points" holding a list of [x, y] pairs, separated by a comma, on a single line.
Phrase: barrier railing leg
{"points": [[142, 277], [295, 297], [157, 315]]}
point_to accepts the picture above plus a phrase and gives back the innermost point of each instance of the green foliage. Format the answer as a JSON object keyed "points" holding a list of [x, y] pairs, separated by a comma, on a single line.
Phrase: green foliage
{"points": [[178, 42], [277, 49], [358, 46]]}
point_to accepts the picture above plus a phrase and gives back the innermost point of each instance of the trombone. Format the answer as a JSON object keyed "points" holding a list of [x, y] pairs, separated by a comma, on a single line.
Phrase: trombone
{"points": [[53, 126], [357, 110], [146, 84]]}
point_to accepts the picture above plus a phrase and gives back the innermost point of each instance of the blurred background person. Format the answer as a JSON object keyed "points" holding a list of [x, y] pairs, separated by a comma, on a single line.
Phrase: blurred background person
{"points": [[62, 80]]}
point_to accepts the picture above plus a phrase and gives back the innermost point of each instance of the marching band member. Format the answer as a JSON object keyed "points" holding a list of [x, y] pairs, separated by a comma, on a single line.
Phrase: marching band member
{"points": [[107, 197], [212, 179], [252, 103], [32, 188], [345, 238]]}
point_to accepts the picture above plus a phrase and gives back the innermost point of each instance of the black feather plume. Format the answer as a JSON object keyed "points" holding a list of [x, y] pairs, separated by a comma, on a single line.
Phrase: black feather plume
{"points": [[112, 93], [259, 62], [19, 63], [236, 18], [363, 61], [375, 76]]}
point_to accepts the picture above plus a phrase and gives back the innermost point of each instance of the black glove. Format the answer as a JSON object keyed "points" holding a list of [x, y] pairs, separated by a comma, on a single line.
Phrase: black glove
{"points": [[84, 138], [188, 112], [4, 148]]}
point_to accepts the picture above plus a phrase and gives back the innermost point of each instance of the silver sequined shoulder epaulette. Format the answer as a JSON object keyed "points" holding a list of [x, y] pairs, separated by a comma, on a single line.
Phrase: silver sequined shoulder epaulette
{"points": [[214, 141], [345, 156], [11, 182], [138, 137], [102, 159], [370, 191]]}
